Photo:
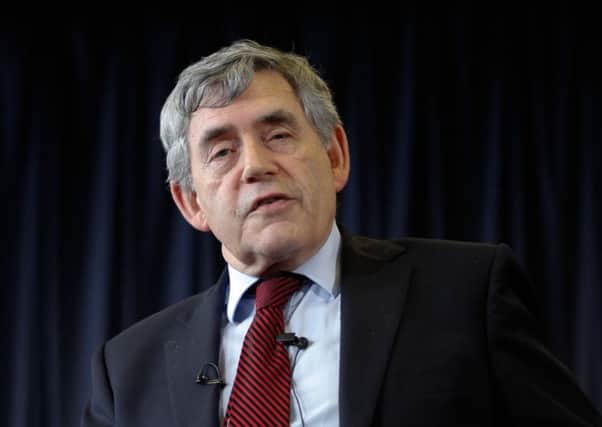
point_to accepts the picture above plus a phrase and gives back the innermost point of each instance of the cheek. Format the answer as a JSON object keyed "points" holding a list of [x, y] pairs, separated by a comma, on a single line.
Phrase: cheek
{"points": [[223, 201], [322, 179], [208, 197]]}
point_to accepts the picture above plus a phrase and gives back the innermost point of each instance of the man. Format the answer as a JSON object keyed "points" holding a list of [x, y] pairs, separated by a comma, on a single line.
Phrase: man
{"points": [[410, 332]]}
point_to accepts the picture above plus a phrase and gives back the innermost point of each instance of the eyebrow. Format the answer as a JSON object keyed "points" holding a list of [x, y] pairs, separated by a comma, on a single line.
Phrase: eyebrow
{"points": [[279, 117], [215, 133], [276, 117]]}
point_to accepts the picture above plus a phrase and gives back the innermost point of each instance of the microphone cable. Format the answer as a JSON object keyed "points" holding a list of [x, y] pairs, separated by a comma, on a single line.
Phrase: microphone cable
{"points": [[293, 387]]}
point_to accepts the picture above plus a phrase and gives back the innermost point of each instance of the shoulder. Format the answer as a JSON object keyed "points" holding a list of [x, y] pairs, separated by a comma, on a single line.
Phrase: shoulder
{"points": [[153, 330], [488, 269], [426, 249], [432, 260], [149, 333], [451, 250], [164, 319]]}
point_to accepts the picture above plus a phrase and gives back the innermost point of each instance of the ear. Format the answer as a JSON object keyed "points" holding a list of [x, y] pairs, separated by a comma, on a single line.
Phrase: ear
{"points": [[187, 203], [338, 153]]}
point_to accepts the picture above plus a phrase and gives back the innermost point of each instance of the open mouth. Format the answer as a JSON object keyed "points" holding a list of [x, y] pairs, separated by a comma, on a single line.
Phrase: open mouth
{"points": [[270, 200]]}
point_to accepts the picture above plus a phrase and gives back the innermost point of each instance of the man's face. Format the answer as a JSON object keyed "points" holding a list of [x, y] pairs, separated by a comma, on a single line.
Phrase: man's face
{"points": [[264, 184]]}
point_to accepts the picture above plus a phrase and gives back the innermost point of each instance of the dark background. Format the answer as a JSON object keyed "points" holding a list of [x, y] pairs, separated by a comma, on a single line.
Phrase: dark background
{"points": [[462, 125]]}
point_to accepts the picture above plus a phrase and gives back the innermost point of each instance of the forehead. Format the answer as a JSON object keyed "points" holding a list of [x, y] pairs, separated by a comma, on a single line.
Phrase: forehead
{"points": [[267, 91]]}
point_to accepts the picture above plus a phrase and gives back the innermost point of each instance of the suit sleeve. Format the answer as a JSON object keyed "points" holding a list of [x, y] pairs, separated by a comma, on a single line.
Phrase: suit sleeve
{"points": [[99, 410], [535, 388]]}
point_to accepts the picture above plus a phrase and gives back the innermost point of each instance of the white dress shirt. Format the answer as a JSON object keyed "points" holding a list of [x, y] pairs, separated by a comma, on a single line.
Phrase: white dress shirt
{"points": [[313, 312]]}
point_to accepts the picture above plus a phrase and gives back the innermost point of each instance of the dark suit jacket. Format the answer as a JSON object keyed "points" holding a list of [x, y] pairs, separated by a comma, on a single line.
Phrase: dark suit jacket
{"points": [[433, 333]]}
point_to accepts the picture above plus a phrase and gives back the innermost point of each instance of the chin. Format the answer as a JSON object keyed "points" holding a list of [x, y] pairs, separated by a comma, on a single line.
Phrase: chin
{"points": [[280, 240]]}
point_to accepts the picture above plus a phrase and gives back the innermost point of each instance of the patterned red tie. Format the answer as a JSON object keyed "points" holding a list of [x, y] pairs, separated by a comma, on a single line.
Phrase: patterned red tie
{"points": [[261, 391]]}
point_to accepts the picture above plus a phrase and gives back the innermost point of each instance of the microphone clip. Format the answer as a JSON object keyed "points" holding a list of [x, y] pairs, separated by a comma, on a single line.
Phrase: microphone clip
{"points": [[204, 378], [289, 338]]}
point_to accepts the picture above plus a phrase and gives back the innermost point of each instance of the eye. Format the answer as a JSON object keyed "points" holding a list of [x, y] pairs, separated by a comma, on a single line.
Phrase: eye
{"points": [[279, 136], [221, 152]]}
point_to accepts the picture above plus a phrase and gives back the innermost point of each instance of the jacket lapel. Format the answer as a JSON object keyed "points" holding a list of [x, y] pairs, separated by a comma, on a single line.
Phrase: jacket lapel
{"points": [[373, 291], [196, 343]]}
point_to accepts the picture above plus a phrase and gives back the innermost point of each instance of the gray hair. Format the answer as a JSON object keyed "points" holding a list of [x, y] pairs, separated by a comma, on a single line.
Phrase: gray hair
{"points": [[216, 80]]}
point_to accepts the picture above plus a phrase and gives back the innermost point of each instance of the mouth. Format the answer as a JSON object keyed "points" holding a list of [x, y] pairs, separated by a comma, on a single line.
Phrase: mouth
{"points": [[269, 200]]}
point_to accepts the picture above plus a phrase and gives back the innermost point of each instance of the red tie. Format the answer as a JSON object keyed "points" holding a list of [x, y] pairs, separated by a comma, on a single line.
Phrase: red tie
{"points": [[261, 391]]}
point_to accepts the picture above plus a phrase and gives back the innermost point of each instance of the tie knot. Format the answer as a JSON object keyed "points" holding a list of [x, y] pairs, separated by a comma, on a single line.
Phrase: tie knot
{"points": [[276, 291]]}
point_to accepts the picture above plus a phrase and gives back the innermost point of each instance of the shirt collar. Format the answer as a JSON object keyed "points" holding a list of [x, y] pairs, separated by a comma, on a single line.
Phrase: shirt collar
{"points": [[320, 269]]}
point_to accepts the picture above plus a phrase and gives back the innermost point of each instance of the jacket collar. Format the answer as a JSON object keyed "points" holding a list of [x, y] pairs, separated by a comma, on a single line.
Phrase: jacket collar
{"points": [[374, 285], [196, 344]]}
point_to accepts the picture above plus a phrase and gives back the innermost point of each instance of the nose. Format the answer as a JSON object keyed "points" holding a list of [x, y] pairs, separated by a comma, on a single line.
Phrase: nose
{"points": [[258, 162]]}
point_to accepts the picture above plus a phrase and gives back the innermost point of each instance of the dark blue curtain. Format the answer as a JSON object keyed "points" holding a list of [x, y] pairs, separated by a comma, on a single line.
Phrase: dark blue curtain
{"points": [[462, 126]]}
